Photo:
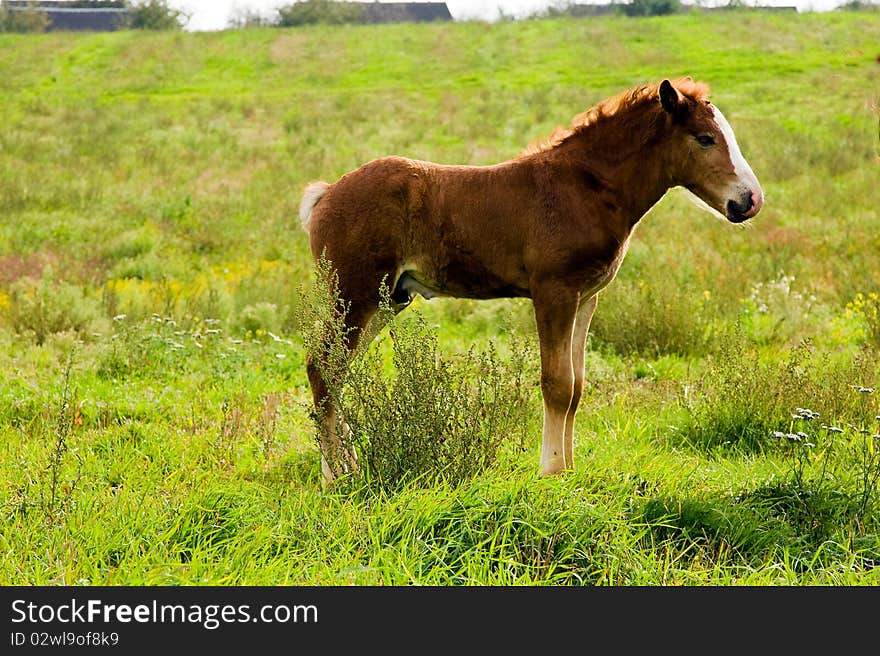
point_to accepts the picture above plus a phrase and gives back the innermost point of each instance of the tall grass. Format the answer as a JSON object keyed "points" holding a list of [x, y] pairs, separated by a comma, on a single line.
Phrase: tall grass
{"points": [[155, 415]]}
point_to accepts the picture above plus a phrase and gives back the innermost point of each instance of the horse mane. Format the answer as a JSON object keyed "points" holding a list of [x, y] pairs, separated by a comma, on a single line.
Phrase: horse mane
{"points": [[622, 102]]}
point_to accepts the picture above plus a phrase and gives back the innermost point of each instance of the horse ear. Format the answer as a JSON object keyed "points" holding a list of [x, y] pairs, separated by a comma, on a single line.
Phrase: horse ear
{"points": [[670, 98]]}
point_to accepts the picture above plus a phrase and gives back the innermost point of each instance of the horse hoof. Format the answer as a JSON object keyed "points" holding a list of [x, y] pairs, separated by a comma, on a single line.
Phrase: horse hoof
{"points": [[554, 469]]}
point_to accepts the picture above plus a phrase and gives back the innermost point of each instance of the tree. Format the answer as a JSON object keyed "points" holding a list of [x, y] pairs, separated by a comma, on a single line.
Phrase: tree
{"points": [[244, 18], [309, 12], [22, 20], [155, 15], [95, 4], [651, 7], [859, 5]]}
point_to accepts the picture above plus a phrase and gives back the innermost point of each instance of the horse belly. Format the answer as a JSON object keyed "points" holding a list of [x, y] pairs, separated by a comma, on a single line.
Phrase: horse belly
{"points": [[468, 279], [468, 283]]}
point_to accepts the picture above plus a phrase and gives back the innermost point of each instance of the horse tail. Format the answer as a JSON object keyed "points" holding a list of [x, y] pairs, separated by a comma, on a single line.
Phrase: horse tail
{"points": [[313, 193]]}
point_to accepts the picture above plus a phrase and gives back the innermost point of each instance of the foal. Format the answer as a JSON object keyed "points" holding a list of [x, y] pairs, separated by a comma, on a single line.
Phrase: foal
{"points": [[552, 225]]}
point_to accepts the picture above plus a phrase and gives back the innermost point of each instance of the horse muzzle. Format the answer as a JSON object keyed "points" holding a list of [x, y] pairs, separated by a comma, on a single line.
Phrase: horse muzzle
{"points": [[746, 207]]}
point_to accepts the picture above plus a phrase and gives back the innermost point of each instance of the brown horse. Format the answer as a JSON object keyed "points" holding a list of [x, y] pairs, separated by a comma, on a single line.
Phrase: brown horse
{"points": [[552, 225]]}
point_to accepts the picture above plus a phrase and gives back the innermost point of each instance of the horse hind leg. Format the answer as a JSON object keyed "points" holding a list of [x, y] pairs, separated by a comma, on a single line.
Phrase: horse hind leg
{"points": [[338, 455], [365, 317], [578, 347], [334, 456]]}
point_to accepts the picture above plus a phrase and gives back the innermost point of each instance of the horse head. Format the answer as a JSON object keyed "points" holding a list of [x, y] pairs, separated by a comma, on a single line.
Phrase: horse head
{"points": [[705, 157]]}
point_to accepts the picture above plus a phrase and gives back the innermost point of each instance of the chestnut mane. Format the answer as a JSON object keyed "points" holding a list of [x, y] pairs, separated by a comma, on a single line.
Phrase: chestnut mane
{"points": [[627, 100]]}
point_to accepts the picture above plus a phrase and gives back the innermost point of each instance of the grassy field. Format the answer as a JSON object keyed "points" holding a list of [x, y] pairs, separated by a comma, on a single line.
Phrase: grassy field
{"points": [[154, 417]]}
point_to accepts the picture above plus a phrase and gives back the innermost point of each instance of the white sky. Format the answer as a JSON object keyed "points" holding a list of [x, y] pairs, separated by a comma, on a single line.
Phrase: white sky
{"points": [[215, 14]]}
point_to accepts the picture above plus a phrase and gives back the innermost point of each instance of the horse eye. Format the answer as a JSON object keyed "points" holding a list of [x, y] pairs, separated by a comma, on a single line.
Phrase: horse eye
{"points": [[705, 140]]}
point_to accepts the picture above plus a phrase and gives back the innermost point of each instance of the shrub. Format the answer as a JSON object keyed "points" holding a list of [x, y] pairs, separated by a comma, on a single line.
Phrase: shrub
{"points": [[422, 415], [653, 317], [650, 7], [43, 307], [155, 15], [261, 316], [27, 20], [867, 308], [859, 5], [310, 12], [775, 311], [743, 401], [244, 18]]}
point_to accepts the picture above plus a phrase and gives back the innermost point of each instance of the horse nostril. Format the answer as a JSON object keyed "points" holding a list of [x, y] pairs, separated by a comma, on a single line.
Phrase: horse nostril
{"points": [[757, 199], [739, 211], [748, 205], [741, 206]]}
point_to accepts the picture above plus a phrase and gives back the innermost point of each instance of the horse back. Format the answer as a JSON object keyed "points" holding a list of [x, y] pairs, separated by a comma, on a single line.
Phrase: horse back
{"points": [[366, 211], [465, 231]]}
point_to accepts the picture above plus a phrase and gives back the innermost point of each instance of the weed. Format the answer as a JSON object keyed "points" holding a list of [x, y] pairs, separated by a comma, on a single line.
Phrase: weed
{"points": [[158, 344], [262, 316], [40, 308], [820, 456], [867, 308], [267, 424], [740, 400], [233, 425], [56, 485], [654, 317], [776, 312], [423, 415]]}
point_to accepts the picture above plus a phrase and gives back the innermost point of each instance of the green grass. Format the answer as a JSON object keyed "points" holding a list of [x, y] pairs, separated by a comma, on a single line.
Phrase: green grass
{"points": [[154, 410]]}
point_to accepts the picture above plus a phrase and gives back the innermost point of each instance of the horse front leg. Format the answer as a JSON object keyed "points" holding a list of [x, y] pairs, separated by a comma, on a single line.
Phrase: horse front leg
{"points": [[578, 346], [555, 313]]}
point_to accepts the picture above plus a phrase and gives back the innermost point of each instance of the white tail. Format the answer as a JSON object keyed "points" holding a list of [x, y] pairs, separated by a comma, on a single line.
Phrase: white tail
{"points": [[314, 191]]}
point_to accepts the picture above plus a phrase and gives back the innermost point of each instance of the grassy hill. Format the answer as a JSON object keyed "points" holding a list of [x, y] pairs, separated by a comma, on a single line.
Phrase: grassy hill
{"points": [[154, 419]]}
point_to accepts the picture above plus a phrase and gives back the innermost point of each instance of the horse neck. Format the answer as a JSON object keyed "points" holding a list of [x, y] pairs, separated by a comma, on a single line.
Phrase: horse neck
{"points": [[626, 153]]}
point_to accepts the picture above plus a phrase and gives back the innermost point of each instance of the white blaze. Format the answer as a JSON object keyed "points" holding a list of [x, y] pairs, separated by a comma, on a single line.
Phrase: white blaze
{"points": [[740, 165]]}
